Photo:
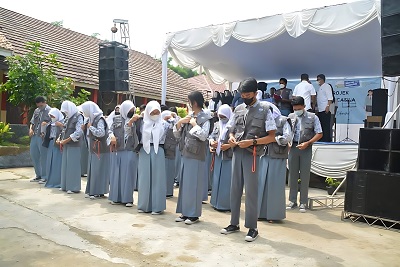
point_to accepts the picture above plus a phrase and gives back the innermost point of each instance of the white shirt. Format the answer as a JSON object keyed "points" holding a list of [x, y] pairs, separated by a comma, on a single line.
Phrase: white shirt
{"points": [[305, 90], [324, 94]]}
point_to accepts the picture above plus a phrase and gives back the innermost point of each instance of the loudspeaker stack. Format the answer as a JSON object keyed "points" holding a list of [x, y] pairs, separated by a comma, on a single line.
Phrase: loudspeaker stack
{"points": [[113, 67], [390, 37]]}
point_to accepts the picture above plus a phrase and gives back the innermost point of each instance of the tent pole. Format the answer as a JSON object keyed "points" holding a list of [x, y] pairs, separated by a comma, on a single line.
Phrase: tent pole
{"points": [[164, 60]]}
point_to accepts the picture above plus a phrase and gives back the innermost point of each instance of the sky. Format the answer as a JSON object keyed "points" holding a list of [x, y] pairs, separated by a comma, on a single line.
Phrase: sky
{"points": [[151, 20]]}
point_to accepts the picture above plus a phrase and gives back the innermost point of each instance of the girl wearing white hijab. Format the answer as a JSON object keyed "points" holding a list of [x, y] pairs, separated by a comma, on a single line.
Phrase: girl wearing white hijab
{"points": [[272, 176], [99, 157], [123, 141], [69, 142], [222, 167], [54, 156], [151, 169]]}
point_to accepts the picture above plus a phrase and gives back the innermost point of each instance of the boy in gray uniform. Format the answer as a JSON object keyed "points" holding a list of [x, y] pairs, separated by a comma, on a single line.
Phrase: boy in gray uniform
{"points": [[250, 129], [307, 130], [37, 151]]}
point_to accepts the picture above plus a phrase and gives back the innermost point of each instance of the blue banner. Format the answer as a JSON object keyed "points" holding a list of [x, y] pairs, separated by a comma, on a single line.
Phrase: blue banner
{"points": [[350, 96]]}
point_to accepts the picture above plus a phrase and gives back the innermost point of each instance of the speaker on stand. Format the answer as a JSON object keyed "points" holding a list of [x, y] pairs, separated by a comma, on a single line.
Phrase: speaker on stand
{"points": [[113, 73]]}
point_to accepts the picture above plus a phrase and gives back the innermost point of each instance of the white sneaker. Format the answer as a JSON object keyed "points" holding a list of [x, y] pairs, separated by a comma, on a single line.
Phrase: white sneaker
{"points": [[191, 220], [157, 213], [302, 208], [126, 205], [291, 206], [87, 196], [181, 219], [92, 197], [69, 192], [140, 211], [60, 189], [42, 181]]}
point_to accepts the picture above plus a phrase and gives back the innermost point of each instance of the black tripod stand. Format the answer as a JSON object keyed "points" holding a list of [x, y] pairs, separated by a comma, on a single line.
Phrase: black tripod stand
{"points": [[348, 105]]}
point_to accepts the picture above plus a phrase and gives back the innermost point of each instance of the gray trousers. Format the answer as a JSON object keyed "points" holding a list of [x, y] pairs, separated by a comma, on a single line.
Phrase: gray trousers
{"points": [[299, 161], [38, 156], [242, 174]]}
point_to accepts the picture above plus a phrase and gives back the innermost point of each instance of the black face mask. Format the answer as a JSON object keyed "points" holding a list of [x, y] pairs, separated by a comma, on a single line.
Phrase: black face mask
{"points": [[248, 101], [117, 113], [130, 114]]}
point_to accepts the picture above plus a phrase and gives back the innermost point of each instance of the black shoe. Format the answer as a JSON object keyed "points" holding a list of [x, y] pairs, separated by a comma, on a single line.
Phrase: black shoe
{"points": [[192, 220], [181, 218], [251, 235], [230, 229], [36, 179]]}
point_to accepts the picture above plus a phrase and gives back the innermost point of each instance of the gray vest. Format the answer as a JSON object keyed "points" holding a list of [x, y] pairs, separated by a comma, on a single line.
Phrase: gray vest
{"points": [[99, 144], [273, 149], [306, 127], [227, 154], [40, 116], [119, 132], [170, 144], [69, 128], [250, 124], [192, 146], [284, 93], [58, 132]]}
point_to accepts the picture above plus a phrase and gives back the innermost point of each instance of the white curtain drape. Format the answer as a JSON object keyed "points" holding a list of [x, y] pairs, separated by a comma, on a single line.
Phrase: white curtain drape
{"points": [[328, 20]]}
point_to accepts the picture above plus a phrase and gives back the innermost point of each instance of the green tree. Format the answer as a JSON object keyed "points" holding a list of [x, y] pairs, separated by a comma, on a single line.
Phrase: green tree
{"points": [[34, 74], [181, 71], [59, 23], [95, 35]]}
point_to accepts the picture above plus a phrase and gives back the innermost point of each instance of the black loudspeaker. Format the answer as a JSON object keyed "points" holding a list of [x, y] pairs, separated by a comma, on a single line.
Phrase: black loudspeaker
{"points": [[379, 102], [373, 193], [390, 37], [113, 67]]}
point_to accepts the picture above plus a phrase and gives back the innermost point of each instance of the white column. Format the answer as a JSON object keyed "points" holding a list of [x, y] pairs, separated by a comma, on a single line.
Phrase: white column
{"points": [[164, 60]]}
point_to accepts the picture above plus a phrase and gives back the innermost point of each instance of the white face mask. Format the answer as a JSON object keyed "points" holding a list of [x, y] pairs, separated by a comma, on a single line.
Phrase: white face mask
{"points": [[154, 117], [281, 86], [299, 112], [53, 119]]}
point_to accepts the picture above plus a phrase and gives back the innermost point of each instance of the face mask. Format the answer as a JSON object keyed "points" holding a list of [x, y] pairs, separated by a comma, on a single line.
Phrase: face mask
{"points": [[248, 101], [130, 114], [224, 120], [154, 117], [299, 112], [117, 113], [53, 119], [281, 86]]}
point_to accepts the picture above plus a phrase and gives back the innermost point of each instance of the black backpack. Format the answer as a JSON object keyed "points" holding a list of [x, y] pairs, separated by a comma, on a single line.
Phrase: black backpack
{"points": [[333, 93]]}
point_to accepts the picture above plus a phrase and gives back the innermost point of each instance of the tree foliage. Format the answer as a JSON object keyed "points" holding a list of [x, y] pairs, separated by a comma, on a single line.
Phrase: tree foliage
{"points": [[34, 74], [59, 23], [182, 71]]}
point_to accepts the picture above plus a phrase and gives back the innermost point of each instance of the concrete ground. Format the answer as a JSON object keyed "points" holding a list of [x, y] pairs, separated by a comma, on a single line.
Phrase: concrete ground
{"points": [[46, 227]]}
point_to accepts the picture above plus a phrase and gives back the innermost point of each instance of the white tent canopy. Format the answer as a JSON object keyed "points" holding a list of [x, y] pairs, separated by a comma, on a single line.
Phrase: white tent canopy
{"points": [[340, 41]]}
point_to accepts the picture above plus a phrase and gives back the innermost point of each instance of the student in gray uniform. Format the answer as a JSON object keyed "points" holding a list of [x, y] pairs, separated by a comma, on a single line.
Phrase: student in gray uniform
{"points": [[307, 130], [222, 163], [193, 131], [84, 149], [178, 154], [71, 152], [251, 128], [170, 152], [123, 141], [39, 152], [99, 158], [207, 166], [152, 187], [54, 156], [272, 177]]}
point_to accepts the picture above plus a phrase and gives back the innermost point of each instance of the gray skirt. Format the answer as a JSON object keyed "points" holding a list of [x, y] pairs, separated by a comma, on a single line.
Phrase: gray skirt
{"points": [[53, 166], [98, 179], [221, 189], [191, 187], [71, 168], [171, 175], [84, 157], [271, 189], [152, 187], [123, 176]]}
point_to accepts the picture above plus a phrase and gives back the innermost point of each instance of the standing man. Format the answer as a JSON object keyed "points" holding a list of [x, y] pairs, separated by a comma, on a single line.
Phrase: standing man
{"points": [[285, 97], [307, 91], [324, 101], [39, 152], [307, 130], [251, 128]]}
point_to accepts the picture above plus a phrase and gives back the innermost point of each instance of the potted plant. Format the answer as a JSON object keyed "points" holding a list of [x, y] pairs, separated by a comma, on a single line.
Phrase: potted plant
{"points": [[331, 184]]}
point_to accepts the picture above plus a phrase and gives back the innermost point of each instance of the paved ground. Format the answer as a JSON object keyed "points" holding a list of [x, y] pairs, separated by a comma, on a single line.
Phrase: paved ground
{"points": [[45, 227]]}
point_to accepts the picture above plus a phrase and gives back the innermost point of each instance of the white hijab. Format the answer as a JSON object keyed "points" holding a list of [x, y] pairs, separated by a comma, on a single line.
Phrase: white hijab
{"points": [[69, 108], [57, 114], [226, 111], [91, 110], [151, 128], [125, 107]]}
